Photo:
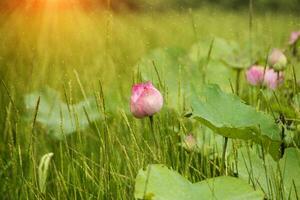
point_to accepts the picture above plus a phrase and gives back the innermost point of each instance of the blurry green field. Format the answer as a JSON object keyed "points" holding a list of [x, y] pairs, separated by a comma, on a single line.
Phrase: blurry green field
{"points": [[106, 45], [77, 53]]}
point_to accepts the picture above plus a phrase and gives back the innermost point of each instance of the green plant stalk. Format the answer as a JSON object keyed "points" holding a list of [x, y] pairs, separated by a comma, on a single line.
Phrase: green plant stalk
{"points": [[237, 88], [223, 165], [153, 131], [294, 49], [282, 145], [237, 81]]}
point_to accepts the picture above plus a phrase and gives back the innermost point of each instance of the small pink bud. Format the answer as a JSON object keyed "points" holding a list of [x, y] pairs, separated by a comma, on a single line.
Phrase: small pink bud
{"points": [[277, 60], [255, 75], [294, 37], [190, 142], [146, 100], [273, 79]]}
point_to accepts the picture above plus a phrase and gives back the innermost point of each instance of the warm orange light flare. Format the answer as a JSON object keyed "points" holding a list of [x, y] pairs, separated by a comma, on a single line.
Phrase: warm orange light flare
{"points": [[47, 4]]}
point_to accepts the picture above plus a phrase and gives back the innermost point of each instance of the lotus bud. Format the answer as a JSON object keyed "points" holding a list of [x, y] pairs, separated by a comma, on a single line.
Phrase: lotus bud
{"points": [[277, 60], [273, 79], [294, 37], [190, 142], [255, 75], [146, 100]]}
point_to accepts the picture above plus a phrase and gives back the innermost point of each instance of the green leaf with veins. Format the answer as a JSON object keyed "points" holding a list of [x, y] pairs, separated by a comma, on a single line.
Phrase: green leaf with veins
{"points": [[227, 115], [267, 173], [157, 182]]}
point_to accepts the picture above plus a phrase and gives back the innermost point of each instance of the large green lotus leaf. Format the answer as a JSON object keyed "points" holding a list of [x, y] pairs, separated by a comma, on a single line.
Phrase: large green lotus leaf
{"points": [[228, 52], [218, 73], [290, 171], [208, 72], [179, 72], [240, 57], [227, 188], [227, 115], [221, 48], [268, 174], [210, 58], [237, 60], [252, 168], [157, 182], [55, 115]]}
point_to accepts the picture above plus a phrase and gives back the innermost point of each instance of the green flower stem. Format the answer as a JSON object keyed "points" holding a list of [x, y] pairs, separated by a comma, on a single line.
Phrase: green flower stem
{"points": [[153, 131], [237, 81], [223, 166]]}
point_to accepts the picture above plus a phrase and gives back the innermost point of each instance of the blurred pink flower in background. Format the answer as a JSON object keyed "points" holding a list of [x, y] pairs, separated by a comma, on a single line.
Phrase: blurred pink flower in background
{"points": [[146, 100], [277, 60], [294, 37], [273, 79], [255, 75], [270, 78]]}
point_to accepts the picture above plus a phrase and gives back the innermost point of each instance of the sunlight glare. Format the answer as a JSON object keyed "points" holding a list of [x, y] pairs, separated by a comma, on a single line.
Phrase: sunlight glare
{"points": [[40, 5]]}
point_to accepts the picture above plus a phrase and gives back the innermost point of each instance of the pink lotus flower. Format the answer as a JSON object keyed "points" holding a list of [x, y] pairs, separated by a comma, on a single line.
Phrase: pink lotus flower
{"points": [[294, 37], [277, 60], [255, 75], [273, 79], [270, 78], [146, 100]]}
